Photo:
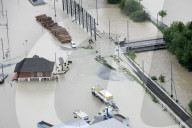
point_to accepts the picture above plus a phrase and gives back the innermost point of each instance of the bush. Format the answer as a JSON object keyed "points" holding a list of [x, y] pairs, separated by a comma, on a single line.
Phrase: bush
{"points": [[122, 4], [139, 16], [190, 105], [154, 78], [132, 55], [162, 78], [154, 99], [131, 6], [113, 1], [133, 9]]}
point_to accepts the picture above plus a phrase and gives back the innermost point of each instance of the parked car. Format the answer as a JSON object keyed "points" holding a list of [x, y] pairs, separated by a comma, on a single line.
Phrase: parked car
{"points": [[73, 45]]}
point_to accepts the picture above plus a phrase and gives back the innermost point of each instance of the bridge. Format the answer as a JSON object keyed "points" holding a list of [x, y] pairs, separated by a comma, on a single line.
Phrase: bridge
{"points": [[142, 46]]}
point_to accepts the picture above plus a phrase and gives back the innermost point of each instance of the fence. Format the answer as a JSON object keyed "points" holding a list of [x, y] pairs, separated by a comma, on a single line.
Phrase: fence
{"points": [[80, 15]]}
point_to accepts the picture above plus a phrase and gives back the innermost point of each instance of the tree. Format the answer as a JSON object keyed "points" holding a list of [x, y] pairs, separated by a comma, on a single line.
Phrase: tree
{"points": [[139, 16], [190, 105], [178, 38], [122, 4], [113, 1], [131, 6], [162, 13]]}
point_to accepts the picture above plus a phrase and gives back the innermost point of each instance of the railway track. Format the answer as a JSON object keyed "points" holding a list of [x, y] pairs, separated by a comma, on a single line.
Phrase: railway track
{"points": [[162, 96]]}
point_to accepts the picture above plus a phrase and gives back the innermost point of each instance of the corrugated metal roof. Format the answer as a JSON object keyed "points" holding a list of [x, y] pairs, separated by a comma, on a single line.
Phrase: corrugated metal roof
{"points": [[79, 123], [75, 123], [110, 123]]}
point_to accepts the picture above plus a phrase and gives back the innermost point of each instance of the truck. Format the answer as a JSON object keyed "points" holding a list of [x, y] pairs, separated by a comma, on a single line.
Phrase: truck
{"points": [[81, 115], [109, 112], [43, 124], [102, 94]]}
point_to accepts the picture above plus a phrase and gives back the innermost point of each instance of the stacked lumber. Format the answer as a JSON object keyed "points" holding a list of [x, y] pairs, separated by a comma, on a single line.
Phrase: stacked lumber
{"points": [[59, 32]]}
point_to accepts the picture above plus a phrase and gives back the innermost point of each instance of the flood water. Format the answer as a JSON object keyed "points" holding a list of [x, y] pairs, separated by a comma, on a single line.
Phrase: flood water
{"points": [[159, 62], [178, 10], [55, 101]]}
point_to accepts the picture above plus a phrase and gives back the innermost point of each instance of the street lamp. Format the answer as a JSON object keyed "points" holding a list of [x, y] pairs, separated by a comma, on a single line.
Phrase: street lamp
{"points": [[2, 48]]}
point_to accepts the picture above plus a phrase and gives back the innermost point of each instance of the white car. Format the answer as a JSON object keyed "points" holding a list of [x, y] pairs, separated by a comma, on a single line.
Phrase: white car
{"points": [[73, 45]]}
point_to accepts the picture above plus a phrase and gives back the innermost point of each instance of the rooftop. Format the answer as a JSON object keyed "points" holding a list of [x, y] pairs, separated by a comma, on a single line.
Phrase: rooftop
{"points": [[35, 64]]}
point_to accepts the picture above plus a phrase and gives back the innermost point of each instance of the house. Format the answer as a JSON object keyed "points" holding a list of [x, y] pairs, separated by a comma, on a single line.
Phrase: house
{"points": [[34, 69]]}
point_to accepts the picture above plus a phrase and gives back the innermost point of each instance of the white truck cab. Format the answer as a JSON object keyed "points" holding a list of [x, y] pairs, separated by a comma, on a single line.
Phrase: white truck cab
{"points": [[81, 115]]}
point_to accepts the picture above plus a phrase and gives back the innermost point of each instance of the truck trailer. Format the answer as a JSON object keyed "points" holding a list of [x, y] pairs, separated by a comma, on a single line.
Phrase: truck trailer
{"points": [[102, 94]]}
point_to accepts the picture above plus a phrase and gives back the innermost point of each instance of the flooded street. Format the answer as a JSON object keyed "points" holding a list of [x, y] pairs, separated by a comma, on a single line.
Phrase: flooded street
{"points": [[26, 103], [23, 26], [159, 62]]}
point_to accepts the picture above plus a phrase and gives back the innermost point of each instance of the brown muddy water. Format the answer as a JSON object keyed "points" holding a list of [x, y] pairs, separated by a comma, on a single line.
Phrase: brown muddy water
{"points": [[178, 10], [159, 62]]}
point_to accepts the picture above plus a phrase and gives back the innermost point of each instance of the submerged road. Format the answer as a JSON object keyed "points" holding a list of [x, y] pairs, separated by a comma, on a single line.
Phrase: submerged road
{"points": [[162, 96]]}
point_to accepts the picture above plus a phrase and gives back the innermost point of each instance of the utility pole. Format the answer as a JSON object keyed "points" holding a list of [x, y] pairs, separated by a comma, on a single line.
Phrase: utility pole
{"points": [[118, 49], [55, 8], [55, 63], [97, 12], [109, 30], [143, 70], [172, 83], [2, 6], [127, 31], [128, 35], [2, 48], [7, 33], [2, 71], [157, 20], [171, 80]]}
